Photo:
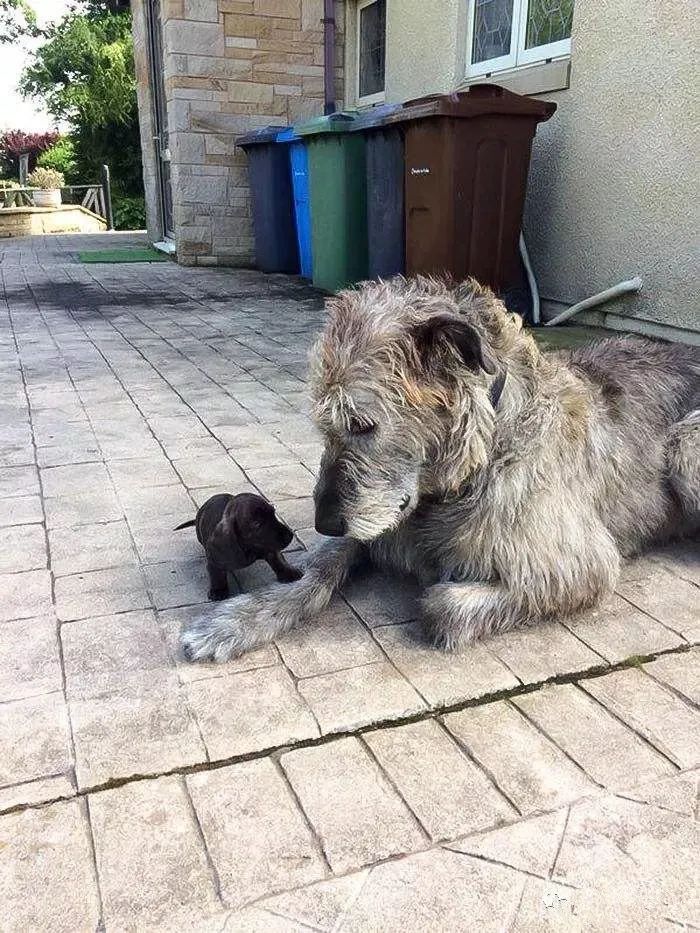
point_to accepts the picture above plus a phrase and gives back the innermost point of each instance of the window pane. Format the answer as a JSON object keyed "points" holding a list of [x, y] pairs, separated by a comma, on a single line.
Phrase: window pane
{"points": [[372, 33], [548, 21], [492, 25]]}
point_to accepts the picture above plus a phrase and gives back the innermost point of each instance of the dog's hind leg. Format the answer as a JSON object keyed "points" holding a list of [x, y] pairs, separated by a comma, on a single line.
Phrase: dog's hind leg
{"points": [[458, 614], [683, 464], [245, 622]]}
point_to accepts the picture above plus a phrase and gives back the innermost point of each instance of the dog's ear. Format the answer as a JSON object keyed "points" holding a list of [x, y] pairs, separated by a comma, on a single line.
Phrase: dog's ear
{"points": [[225, 543], [465, 338]]}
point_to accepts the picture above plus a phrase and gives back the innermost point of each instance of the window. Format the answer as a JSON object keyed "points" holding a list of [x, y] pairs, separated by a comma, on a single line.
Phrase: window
{"points": [[371, 45], [506, 33]]}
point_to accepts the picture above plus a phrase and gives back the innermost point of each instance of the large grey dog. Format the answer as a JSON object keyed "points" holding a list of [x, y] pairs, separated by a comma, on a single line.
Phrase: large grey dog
{"points": [[509, 480]]}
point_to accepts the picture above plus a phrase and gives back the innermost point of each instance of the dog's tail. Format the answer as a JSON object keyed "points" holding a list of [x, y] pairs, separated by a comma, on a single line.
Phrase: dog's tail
{"points": [[189, 524]]}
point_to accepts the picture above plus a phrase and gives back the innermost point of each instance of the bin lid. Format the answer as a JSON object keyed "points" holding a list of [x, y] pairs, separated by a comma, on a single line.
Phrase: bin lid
{"points": [[266, 134], [375, 117], [340, 122], [288, 135], [476, 101]]}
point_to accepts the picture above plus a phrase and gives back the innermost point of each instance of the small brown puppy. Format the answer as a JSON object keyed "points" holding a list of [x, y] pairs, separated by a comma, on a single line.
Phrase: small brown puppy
{"points": [[235, 531]]}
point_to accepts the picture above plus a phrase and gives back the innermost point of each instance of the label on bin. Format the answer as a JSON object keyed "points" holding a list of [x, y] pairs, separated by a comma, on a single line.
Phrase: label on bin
{"points": [[420, 171]]}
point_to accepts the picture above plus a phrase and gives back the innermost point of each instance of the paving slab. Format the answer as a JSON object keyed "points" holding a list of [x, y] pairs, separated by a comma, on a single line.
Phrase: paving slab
{"points": [[47, 874], [24, 595], [670, 596], [528, 768], [665, 720], [360, 696], [448, 793], [23, 548], [140, 730], [20, 510], [112, 653], [617, 631], [30, 664], [91, 547], [358, 816], [619, 850], [680, 671], [35, 739], [166, 877], [250, 711], [100, 592], [530, 845], [336, 642], [610, 753], [257, 836], [436, 890], [443, 678], [541, 652]]}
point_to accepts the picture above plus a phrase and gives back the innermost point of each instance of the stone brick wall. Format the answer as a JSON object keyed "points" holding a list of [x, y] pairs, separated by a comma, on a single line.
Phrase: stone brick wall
{"points": [[230, 66]]}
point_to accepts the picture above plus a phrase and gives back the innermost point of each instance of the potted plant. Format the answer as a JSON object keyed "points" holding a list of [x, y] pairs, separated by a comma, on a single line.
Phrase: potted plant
{"points": [[49, 182]]}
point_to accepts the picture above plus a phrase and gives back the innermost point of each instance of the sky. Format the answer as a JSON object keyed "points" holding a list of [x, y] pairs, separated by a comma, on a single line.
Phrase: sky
{"points": [[16, 113]]}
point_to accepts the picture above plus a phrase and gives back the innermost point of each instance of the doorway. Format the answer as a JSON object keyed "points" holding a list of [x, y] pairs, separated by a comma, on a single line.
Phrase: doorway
{"points": [[160, 118]]}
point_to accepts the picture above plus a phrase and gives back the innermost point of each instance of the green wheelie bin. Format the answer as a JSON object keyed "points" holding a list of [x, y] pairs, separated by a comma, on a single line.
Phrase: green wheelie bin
{"points": [[338, 195]]}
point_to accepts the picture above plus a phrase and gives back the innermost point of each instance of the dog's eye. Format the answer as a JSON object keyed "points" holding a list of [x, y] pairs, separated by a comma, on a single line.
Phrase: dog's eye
{"points": [[356, 428]]}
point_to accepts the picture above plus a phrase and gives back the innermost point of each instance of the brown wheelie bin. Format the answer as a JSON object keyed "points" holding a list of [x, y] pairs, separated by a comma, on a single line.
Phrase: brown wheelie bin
{"points": [[466, 167]]}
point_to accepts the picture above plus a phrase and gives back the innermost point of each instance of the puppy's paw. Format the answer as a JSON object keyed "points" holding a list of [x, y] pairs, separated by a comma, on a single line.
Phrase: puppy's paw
{"points": [[217, 595], [290, 574]]}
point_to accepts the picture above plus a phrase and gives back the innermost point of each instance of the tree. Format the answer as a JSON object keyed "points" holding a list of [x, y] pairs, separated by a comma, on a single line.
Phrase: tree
{"points": [[84, 74], [17, 19]]}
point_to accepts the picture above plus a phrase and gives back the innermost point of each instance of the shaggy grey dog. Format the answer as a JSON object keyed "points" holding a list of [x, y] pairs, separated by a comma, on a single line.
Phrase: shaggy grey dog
{"points": [[510, 481]]}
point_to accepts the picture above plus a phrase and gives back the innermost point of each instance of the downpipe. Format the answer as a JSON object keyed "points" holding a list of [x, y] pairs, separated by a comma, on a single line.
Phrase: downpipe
{"points": [[329, 56]]}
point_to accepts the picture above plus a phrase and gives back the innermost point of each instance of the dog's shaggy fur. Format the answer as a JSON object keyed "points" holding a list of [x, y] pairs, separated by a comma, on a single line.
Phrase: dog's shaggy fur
{"points": [[509, 480]]}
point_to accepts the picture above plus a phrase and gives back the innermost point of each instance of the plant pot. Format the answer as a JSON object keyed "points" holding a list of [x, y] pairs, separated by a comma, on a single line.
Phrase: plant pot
{"points": [[47, 197]]}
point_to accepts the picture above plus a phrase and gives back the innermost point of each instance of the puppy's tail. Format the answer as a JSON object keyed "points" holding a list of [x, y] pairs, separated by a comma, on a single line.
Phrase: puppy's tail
{"points": [[189, 524]]}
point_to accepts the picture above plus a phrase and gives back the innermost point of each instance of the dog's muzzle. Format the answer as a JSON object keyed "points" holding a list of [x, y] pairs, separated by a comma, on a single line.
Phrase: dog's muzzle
{"points": [[329, 517]]}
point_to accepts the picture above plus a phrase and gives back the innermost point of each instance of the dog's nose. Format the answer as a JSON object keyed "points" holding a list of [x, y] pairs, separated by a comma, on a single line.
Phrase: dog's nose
{"points": [[329, 518]]}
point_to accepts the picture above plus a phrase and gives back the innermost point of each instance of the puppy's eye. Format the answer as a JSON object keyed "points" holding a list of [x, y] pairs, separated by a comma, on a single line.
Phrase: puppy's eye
{"points": [[357, 428]]}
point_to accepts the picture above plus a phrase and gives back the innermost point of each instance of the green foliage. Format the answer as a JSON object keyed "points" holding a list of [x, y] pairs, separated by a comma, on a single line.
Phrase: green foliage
{"points": [[129, 213], [84, 74], [61, 157], [17, 19], [47, 178]]}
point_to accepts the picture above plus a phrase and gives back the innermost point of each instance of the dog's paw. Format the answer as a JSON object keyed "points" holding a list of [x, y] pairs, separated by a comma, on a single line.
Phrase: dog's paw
{"points": [[216, 596], [220, 633]]}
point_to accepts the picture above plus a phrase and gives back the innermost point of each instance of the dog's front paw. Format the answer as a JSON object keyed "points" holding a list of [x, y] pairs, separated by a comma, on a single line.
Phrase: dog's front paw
{"points": [[216, 596], [220, 633]]}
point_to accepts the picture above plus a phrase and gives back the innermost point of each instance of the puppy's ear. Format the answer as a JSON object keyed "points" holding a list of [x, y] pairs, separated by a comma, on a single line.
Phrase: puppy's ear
{"points": [[466, 339], [224, 540]]}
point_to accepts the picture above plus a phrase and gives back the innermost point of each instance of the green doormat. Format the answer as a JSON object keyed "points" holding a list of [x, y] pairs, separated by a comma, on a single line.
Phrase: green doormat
{"points": [[122, 255]]}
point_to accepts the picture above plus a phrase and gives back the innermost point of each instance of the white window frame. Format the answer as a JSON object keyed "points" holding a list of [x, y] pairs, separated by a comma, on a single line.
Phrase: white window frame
{"points": [[368, 99], [518, 55]]}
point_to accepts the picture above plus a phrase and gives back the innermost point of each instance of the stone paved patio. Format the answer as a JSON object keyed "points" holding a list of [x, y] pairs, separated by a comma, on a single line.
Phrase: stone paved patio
{"points": [[346, 778]]}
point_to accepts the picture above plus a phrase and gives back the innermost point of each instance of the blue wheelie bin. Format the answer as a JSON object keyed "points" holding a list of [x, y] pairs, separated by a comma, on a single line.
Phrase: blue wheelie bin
{"points": [[299, 168], [272, 201], [386, 231]]}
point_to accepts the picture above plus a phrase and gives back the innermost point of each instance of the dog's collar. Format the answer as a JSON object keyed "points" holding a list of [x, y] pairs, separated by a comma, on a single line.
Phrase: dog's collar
{"points": [[496, 388]]}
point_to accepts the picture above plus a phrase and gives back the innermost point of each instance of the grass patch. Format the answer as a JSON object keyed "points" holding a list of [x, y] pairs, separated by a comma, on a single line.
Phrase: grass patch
{"points": [[146, 254]]}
